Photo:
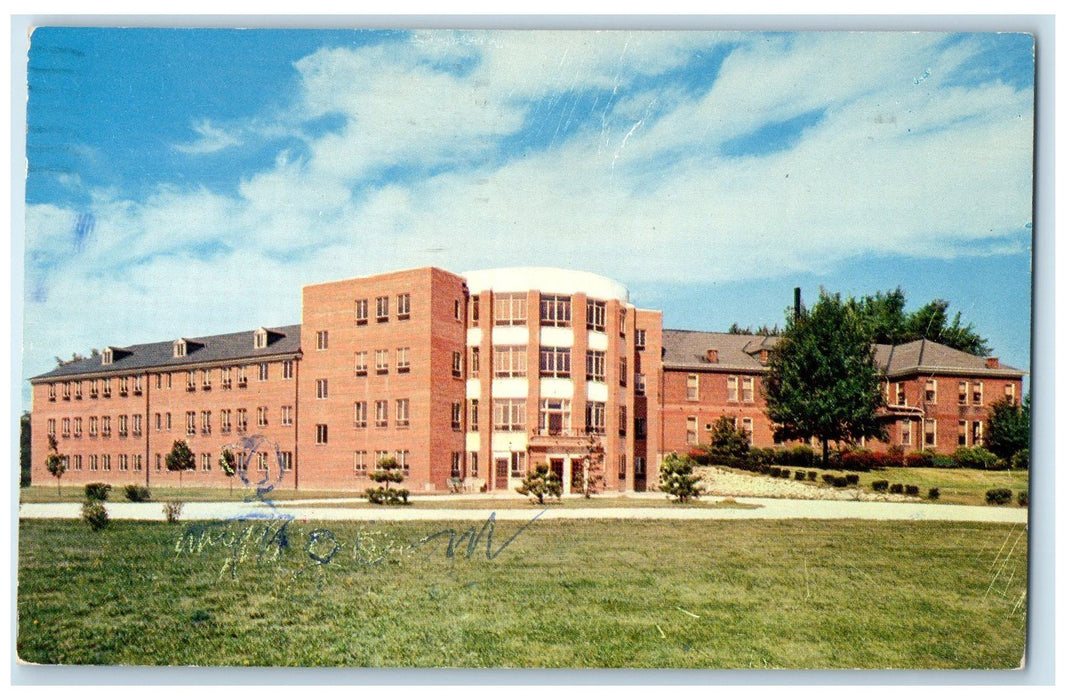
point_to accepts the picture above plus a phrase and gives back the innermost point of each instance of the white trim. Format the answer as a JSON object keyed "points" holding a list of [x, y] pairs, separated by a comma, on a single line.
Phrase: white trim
{"points": [[550, 280]]}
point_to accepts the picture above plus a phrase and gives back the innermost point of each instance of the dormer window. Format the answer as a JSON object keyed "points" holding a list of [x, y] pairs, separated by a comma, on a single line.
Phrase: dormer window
{"points": [[180, 348], [260, 339], [108, 356]]}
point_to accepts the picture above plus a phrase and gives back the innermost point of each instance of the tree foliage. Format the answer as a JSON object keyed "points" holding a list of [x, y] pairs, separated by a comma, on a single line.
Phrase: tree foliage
{"points": [[541, 482], [55, 463], [1008, 428], [180, 458], [886, 321], [388, 472], [677, 480], [727, 440], [822, 380], [592, 466], [25, 438]]}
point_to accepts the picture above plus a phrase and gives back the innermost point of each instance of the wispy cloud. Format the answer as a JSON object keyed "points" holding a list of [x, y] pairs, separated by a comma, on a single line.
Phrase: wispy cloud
{"points": [[211, 140]]}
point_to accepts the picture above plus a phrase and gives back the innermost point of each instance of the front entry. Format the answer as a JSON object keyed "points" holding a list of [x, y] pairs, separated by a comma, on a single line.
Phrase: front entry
{"points": [[503, 467]]}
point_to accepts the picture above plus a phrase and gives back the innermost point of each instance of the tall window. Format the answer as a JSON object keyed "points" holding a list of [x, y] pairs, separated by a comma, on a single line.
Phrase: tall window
{"points": [[105, 426], [692, 387], [403, 413], [929, 433], [596, 417], [475, 361], [978, 432], [596, 315], [287, 370], [475, 309], [205, 422], [136, 424], [623, 371], [457, 364], [509, 310], [964, 433], [227, 381], [322, 341], [403, 360], [361, 363], [641, 339], [403, 461], [554, 310], [242, 419], [901, 394], [473, 417], [94, 426], [381, 361], [640, 428], [964, 393], [554, 362], [732, 393], [77, 426], [382, 309], [261, 416], [623, 420], [906, 429], [362, 311], [457, 415], [509, 361], [978, 393], [242, 376], [554, 416], [596, 366], [403, 306], [509, 415], [321, 388], [1008, 394], [286, 415], [930, 391], [205, 462], [190, 423], [691, 428], [748, 426], [260, 340], [360, 414], [381, 414], [747, 387], [639, 384], [321, 434], [224, 420], [264, 371], [621, 467], [360, 462]]}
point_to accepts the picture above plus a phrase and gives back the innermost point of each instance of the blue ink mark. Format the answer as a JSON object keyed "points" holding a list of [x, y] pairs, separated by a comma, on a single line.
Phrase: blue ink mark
{"points": [[921, 79], [83, 228], [473, 537]]}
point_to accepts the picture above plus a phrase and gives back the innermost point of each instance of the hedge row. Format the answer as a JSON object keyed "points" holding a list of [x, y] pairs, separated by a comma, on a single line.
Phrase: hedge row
{"points": [[860, 460]]}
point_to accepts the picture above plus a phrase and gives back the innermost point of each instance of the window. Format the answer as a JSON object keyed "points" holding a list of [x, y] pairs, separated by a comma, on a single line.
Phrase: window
{"points": [[287, 369], [554, 310], [509, 415], [473, 416], [227, 379], [51, 426], [105, 462], [518, 464], [136, 425], [381, 361], [929, 433], [692, 387], [158, 461], [66, 427], [509, 361], [180, 348], [901, 394], [596, 312], [964, 393], [623, 371], [977, 432], [382, 309], [108, 357], [123, 426], [362, 312], [747, 388], [321, 434], [457, 416], [261, 463], [264, 371], [596, 366], [475, 362], [510, 310], [457, 364], [261, 416], [978, 393], [475, 309], [623, 421], [224, 420], [170, 380], [691, 430], [51, 392], [123, 463], [596, 417], [472, 461], [321, 388], [930, 391], [379, 455], [731, 389], [622, 322], [94, 387], [554, 362], [242, 377], [94, 463], [123, 388], [639, 384], [136, 388], [242, 420], [403, 360], [1008, 394], [458, 310], [286, 415], [403, 306], [138, 462], [640, 428], [964, 433], [205, 379], [260, 339], [403, 413], [748, 426], [641, 339], [640, 467], [107, 389], [190, 423], [403, 461], [621, 467], [170, 424], [76, 462], [360, 414], [205, 462], [105, 426], [360, 462], [554, 417], [381, 414], [190, 383], [94, 426], [285, 461], [457, 465], [360, 363]]}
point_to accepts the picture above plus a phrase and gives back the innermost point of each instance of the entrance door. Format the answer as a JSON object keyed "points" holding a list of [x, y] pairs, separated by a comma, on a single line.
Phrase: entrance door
{"points": [[556, 466], [503, 467]]}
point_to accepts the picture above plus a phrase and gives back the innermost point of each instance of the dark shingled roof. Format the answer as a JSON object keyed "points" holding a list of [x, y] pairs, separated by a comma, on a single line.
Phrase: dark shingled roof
{"points": [[688, 350], [208, 349]]}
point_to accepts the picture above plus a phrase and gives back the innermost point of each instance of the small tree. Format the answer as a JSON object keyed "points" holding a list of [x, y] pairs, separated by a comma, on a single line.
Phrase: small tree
{"points": [[55, 462], [227, 461], [388, 472], [677, 480], [541, 482], [727, 440], [180, 459], [592, 467], [1008, 428], [25, 439]]}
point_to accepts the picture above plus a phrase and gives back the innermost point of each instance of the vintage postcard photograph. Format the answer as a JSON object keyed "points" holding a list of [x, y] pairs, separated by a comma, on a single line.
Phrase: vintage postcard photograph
{"points": [[526, 349]]}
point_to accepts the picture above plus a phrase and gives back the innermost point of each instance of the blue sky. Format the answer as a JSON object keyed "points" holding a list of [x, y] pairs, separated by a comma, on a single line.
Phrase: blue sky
{"points": [[187, 182]]}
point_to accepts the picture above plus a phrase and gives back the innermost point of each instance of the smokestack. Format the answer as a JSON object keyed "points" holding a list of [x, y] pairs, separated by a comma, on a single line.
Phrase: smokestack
{"points": [[798, 304]]}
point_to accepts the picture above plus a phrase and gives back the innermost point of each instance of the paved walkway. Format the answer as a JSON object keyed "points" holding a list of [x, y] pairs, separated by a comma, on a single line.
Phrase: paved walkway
{"points": [[769, 509]]}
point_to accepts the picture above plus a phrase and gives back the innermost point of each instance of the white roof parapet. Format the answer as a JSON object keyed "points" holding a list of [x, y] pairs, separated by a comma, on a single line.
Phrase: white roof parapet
{"points": [[550, 280]]}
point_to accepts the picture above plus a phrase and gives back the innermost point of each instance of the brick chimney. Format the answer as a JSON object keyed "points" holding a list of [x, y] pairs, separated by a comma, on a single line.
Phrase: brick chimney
{"points": [[712, 355], [992, 362], [764, 356]]}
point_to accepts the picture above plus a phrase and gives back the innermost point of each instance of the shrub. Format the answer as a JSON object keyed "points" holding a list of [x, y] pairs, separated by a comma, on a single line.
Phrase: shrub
{"points": [[1023, 498], [94, 513], [828, 478], [172, 510], [974, 458], [382, 495], [97, 491], [998, 497], [943, 461], [896, 456], [728, 439], [934, 494], [919, 459], [911, 490], [775, 472], [800, 475], [762, 455], [798, 456], [852, 479], [785, 473], [540, 481], [840, 481], [137, 494], [700, 456], [388, 472], [880, 486], [895, 488], [677, 480], [812, 476], [1020, 460]]}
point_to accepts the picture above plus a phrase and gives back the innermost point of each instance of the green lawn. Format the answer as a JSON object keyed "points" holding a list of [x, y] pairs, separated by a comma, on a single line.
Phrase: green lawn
{"points": [[737, 594], [72, 493], [569, 503]]}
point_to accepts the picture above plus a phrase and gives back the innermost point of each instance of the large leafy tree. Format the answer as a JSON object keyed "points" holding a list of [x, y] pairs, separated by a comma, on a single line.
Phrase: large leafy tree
{"points": [[1008, 428], [885, 321], [55, 463], [822, 380]]}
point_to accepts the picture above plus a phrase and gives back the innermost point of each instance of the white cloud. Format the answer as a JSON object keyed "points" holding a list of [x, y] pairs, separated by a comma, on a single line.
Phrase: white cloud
{"points": [[211, 140]]}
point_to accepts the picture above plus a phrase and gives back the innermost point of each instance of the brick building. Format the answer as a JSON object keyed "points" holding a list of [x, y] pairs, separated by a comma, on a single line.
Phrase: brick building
{"points": [[466, 380]]}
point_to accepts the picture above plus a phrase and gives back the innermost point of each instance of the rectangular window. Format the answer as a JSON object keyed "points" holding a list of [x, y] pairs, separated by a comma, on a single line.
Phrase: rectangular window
{"points": [[509, 361], [261, 416], [640, 428], [123, 387], [623, 421], [205, 462], [977, 432], [322, 340], [51, 392], [66, 426], [170, 424], [978, 393], [692, 387], [382, 309], [361, 363], [748, 426], [227, 381], [76, 462], [94, 426], [457, 416], [731, 389], [224, 421], [475, 309], [510, 310], [554, 417], [509, 415], [472, 461], [360, 462], [622, 322], [403, 360], [596, 312], [639, 384], [640, 467], [105, 426], [242, 377], [287, 369], [596, 366], [190, 423], [105, 462], [264, 371], [362, 312], [261, 463], [930, 391], [321, 388], [554, 310], [286, 415], [321, 434], [1008, 394], [94, 386], [123, 463], [641, 339], [457, 465], [190, 382], [259, 340], [123, 426], [380, 455], [691, 430], [107, 389], [403, 461], [457, 364], [136, 425], [623, 371], [381, 414], [51, 426], [205, 422], [554, 362], [595, 417], [475, 362], [964, 393], [906, 428], [901, 394], [747, 388], [621, 467], [94, 463], [458, 310], [518, 464], [964, 433], [285, 461], [360, 414], [403, 413], [136, 388], [403, 306], [473, 416], [381, 361], [242, 420], [929, 433]]}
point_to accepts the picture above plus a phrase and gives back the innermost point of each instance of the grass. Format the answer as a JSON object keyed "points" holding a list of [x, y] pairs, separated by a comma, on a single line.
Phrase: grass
{"points": [[573, 503], [739, 594], [73, 493]]}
